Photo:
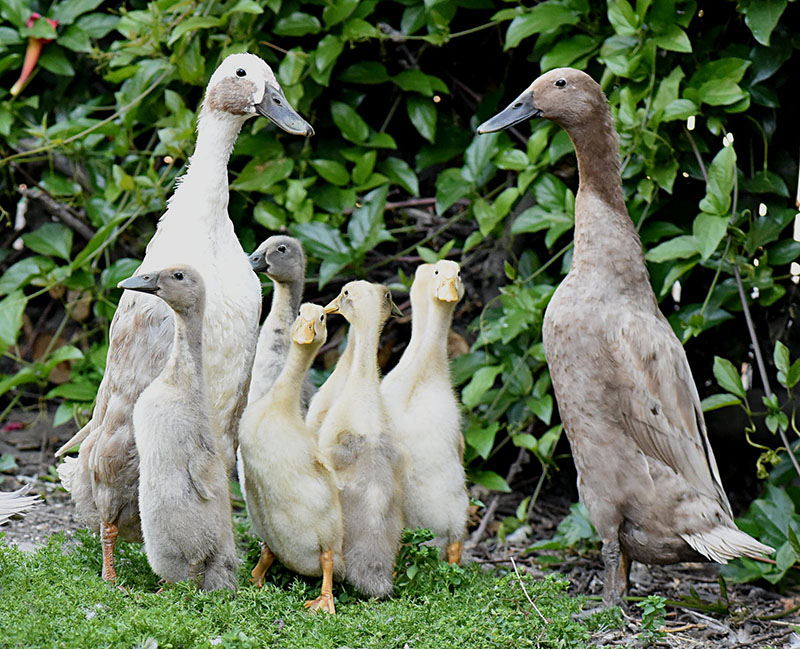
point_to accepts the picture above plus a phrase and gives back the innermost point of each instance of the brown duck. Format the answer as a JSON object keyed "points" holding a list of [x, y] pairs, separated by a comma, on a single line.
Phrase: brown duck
{"points": [[630, 408]]}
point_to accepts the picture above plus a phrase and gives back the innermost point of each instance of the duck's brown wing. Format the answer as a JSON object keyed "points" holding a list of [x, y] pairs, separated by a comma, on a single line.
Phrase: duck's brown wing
{"points": [[140, 340], [658, 400]]}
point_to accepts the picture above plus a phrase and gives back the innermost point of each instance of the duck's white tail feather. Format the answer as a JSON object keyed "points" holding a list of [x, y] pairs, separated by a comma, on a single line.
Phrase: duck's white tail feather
{"points": [[722, 544], [66, 472], [76, 439], [16, 502]]}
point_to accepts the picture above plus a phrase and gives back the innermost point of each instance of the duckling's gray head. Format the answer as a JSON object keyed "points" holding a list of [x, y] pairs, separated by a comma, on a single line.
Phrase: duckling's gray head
{"points": [[180, 286], [566, 96], [280, 257], [244, 85]]}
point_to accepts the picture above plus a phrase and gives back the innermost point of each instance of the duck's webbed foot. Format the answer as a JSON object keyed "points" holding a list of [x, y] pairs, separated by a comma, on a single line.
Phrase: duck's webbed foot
{"points": [[453, 552], [108, 539], [615, 577], [264, 562], [325, 600]]}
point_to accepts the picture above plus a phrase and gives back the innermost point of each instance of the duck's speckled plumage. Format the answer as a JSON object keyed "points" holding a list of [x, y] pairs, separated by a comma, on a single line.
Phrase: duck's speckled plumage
{"points": [[195, 230], [630, 408]]}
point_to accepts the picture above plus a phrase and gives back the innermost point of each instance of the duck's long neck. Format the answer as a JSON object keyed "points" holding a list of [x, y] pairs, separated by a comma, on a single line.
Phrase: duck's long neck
{"points": [[604, 233], [418, 331], [363, 373], [184, 367], [286, 388], [203, 190], [433, 352]]}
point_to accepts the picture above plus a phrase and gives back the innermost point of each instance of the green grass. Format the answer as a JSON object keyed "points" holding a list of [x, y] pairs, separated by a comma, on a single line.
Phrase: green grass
{"points": [[55, 598]]}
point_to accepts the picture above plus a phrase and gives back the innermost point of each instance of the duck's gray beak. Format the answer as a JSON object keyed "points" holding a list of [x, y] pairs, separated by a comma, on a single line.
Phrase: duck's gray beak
{"points": [[147, 283], [520, 109], [275, 107], [258, 261]]}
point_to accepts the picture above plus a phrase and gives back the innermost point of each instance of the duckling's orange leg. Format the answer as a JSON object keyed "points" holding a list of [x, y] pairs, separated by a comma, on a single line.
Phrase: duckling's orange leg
{"points": [[264, 562], [454, 551], [108, 539], [325, 599]]}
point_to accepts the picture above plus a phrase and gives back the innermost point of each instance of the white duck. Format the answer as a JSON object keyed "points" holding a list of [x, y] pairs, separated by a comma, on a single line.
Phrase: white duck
{"points": [[195, 230], [419, 396], [292, 499], [357, 441], [630, 408]]}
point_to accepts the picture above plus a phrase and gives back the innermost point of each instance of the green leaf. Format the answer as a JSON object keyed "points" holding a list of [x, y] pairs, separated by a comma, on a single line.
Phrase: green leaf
{"points": [[297, 23], [781, 357], [75, 39], [244, 7], [709, 230], [720, 183], [512, 159], [728, 378], [367, 72], [350, 123], [761, 16], [542, 407], [332, 171], [19, 274], [11, 309], [490, 480], [55, 60], [191, 24], [260, 176], [450, 187], [481, 436], [400, 173], [481, 382], [717, 401], [54, 239], [422, 113], [793, 375], [66, 11], [543, 17], [566, 52], [76, 390], [679, 109], [327, 52], [366, 227], [622, 17], [336, 12], [674, 39]]}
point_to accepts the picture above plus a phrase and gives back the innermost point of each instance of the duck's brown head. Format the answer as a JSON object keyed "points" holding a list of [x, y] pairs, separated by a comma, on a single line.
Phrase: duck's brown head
{"points": [[566, 96], [244, 85]]}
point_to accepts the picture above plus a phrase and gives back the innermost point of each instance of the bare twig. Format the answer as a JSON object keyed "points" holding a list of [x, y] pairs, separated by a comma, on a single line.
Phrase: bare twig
{"points": [[525, 590], [57, 209]]}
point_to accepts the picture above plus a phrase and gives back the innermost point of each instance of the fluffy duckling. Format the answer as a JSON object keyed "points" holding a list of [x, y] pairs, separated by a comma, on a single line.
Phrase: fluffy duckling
{"points": [[283, 260], [329, 391], [183, 483], [292, 499], [419, 396], [356, 439], [630, 408], [194, 230]]}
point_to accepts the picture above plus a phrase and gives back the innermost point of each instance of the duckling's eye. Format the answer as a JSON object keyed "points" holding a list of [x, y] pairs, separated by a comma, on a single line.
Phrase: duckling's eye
{"points": [[241, 72], [561, 83], [347, 292], [178, 275], [436, 272], [322, 318], [277, 101], [281, 248], [459, 273]]}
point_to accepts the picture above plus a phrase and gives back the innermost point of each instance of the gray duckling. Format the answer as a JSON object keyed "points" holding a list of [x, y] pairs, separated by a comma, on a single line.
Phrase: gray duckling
{"points": [[184, 501]]}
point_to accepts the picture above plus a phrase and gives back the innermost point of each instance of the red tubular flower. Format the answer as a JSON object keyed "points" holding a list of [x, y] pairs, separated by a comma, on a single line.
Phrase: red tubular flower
{"points": [[32, 53]]}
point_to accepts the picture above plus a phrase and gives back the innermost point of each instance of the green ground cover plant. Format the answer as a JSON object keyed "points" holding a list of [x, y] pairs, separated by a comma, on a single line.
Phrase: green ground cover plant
{"points": [[395, 175], [55, 598]]}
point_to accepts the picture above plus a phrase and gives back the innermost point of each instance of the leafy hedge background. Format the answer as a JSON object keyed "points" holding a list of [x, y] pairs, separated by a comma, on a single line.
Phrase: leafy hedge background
{"points": [[395, 175]]}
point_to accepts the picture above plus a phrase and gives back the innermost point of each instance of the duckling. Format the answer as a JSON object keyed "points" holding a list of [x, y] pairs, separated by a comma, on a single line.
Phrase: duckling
{"points": [[183, 483], [330, 390], [292, 499], [629, 405], [357, 441], [283, 260], [195, 230], [419, 396], [16, 502]]}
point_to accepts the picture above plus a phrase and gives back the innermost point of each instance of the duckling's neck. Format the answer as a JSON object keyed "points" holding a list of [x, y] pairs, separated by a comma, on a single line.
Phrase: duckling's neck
{"points": [[202, 193], [286, 389], [418, 332], [433, 352], [286, 297], [363, 372], [604, 233], [185, 365]]}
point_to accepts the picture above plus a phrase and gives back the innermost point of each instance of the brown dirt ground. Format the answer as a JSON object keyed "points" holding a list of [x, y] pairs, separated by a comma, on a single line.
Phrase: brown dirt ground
{"points": [[756, 617]]}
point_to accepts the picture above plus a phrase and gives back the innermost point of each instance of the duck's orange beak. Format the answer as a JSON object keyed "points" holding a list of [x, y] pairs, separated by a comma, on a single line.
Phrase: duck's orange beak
{"points": [[447, 291], [304, 334], [31, 54]]}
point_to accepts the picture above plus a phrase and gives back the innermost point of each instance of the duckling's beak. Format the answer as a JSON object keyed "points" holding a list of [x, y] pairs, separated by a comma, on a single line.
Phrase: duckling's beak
{"points": [[334, 305], [275, 106], [304, 333], [258, 261], [396, 311], [147, 283], [447, 291], [520, 109]]}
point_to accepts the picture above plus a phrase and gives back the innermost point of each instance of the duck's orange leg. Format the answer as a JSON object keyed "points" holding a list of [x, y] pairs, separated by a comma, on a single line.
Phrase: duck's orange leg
{"points": [[108, 539], [325, 600], [264, 562], [454, 551]]}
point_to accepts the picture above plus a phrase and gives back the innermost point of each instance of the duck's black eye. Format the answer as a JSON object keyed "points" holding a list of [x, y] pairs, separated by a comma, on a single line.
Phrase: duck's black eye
{"points": [[277, 101], [436, 272], [517, 105], [561, 83], [347, 292], [240, 72], [178, 275], [322, 318], [281, 248]]}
